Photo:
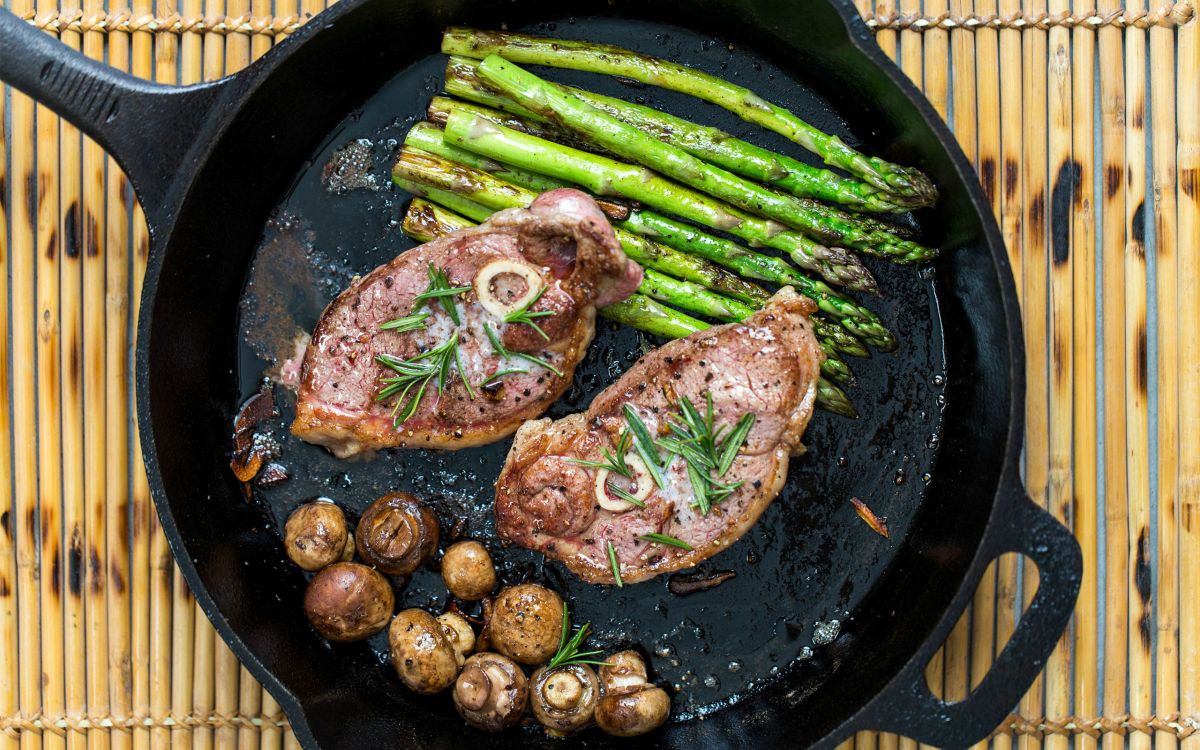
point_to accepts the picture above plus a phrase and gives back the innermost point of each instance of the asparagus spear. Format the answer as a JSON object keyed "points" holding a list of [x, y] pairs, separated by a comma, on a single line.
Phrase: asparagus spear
{"points": [[839, 338], [439, 109], [630, 143], [834, 399], [904, 182], [425, 221], [605, 176], [476, 194], [708, 143], [428, 137], [600, 174]]}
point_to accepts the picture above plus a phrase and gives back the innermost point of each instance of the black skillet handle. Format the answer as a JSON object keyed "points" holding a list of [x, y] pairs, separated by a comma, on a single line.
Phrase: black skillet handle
{"points": [[149, 128], [909, 708]]}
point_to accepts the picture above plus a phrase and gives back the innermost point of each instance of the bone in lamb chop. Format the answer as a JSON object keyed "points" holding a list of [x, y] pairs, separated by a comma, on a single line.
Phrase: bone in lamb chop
{"points": [[673, 462], [456, 342]]}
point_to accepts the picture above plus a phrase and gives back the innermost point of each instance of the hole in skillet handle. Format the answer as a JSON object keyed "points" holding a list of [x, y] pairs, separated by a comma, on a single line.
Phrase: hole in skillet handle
{"points": [[149, 128], [908, 707]]}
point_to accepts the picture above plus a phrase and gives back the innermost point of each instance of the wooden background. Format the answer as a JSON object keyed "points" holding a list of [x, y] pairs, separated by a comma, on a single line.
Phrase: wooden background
{"points": [[1084, 124]]}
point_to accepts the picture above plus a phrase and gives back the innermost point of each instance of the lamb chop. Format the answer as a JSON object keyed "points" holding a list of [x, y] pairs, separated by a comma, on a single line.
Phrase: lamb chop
{"points": [[458, 341], [673, 462]]}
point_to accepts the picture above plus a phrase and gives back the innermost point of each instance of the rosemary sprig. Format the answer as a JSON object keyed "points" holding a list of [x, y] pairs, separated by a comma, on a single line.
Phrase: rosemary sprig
{"points": [[568, 648], [522, 314], [506, 353], [439, 288], [643, 443], [708, 451], [657, 538], [414, 375], [408, 323], [614, 463], [501, 373], [616, 566]]}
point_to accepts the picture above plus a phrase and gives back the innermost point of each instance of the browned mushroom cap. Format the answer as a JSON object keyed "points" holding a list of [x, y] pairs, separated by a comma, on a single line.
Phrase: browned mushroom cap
{"points": [[316, 535], [526, 623], [468, 571], [458, 633], [348, 602], [564, 698], [422, 655], [397, 534], [630, 705], [491, 692]]}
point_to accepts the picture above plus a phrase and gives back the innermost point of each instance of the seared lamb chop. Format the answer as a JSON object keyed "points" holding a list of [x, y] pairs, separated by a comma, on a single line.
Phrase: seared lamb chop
{"points": [[582, 489], [457, 342]]}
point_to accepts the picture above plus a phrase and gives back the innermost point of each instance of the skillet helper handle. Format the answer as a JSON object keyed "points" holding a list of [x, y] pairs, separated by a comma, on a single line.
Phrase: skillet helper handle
{"points": [[149, 128], [912, 710]]}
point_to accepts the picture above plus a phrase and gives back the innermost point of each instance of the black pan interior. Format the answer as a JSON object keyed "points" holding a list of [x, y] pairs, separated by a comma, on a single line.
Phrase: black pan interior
{"points": [[808, 560]]}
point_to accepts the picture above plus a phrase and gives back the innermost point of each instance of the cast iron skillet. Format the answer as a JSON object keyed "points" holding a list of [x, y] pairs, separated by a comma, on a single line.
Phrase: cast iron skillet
{"points": [[210, 162]]}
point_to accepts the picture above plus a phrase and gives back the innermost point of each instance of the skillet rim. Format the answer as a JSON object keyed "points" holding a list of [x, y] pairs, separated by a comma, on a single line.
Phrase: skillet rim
{"points": [[239, 87]]}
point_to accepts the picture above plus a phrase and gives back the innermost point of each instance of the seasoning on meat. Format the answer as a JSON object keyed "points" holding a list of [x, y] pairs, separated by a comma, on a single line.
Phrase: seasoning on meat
{"points": [[699, 432], [417, 353]]}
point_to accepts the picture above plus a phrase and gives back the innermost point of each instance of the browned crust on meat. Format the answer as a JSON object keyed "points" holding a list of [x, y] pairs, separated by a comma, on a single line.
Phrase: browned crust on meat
{"points": [[579, 435]]}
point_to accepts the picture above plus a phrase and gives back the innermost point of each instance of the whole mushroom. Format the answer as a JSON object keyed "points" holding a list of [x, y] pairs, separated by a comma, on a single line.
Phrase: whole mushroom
{"points": [[564, 698], [425, 659], [348, 602], [397, 534], [458, 632], [468, 571], [316, 535], [491, 692], [630, 705], [526, 623]]}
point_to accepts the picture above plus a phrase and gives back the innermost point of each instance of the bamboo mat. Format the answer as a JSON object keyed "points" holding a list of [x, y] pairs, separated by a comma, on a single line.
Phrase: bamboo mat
{"points": [[1084, 125]]}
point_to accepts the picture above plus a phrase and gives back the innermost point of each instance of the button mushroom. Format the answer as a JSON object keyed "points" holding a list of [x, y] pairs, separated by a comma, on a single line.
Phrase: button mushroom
{"points": [[348, 602], [630, 705], [468, 571], [426, 660], [397, 534], [564, 698], [316, 535], [458, 632], [526, 623], [491, 692]]}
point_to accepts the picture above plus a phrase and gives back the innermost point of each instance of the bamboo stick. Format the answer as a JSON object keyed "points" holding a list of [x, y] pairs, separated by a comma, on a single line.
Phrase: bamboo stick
{"points": [[116, 420], [162, 567], [290, 742], [1137, 406], [1188, 89], [886, 38], [1112, 124], [183, 621], [964, 102], [9, 675], [1011, 214], [1085, 447], [272, 735], [1034, 308], [74, 512], [141, 574], [260, 43], [23, 249], [987, 82], [49, 402], [1061, 375], [936, 87], [95, 228], [249, 704], [1166, 605], [226, 736], [203, 679], [183, 611]]}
